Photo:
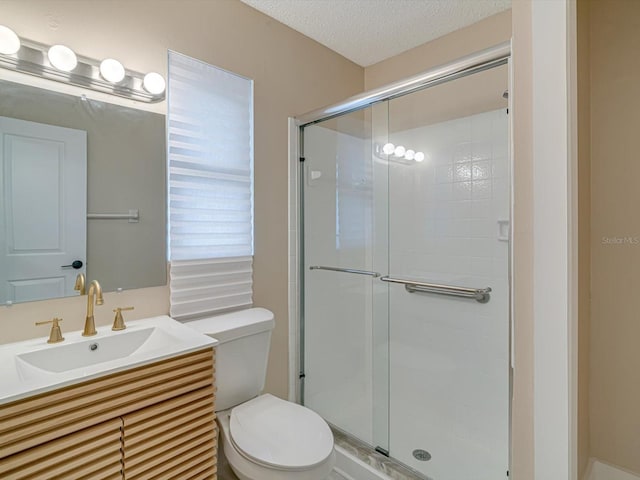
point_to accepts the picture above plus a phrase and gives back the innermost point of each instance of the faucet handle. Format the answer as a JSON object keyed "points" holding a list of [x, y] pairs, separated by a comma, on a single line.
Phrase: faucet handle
{"points": [[55, 336], [118, 321]]}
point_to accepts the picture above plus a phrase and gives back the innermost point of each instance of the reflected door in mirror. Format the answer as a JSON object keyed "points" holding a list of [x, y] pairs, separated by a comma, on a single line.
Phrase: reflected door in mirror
{"points": [[43, 183]]}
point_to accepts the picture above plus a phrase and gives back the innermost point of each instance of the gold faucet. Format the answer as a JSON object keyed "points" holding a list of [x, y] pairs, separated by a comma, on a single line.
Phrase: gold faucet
{"points": [[80, 284], [95, 291], [56, 334], [118, 321]]}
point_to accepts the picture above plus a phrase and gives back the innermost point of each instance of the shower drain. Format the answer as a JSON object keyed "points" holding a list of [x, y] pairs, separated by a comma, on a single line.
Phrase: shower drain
{"points": [[421, 455]]}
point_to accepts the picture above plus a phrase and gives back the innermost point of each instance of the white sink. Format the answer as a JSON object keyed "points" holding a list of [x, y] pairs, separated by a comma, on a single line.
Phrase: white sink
{"points": [[34, 366], [97, 350]]}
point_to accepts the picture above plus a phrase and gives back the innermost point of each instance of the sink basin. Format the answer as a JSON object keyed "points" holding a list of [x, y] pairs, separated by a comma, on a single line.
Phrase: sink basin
{"points": [[96, 350], [32, 367]]}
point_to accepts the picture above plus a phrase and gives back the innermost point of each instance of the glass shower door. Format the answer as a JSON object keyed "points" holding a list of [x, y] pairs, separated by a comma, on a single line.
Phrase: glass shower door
{"points": [[448, 225], [345, 306], [409, 195]]}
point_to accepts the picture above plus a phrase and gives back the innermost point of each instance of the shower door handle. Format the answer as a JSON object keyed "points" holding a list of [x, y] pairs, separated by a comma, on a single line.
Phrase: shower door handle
{"points": [[412, 286]]}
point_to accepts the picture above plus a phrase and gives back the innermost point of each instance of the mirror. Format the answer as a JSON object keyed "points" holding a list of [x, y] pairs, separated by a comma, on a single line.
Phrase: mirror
{"points": [[49, 205]]}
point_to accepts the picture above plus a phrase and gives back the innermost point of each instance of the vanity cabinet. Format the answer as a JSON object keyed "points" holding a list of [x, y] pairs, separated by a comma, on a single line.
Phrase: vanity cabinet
{"points": [[92, 453], [157, 419], [173, 439]]}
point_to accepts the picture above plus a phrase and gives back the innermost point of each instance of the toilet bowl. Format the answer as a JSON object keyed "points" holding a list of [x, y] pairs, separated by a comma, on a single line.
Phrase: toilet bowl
{"points": [[263, 436], [271, 439]]}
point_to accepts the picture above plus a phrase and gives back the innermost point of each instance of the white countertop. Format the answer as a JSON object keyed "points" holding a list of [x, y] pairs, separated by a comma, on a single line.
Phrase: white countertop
{"points": [[141, 343]]}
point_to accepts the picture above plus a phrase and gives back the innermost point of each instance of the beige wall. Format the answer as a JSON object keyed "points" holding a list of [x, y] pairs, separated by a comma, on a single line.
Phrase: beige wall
{"points": [[292, 74], [481, 92], [584, 235], [522, 422], [483, 34], [614, 390]]}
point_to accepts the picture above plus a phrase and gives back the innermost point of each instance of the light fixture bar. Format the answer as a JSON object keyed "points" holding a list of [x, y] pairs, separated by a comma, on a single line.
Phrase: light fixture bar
{"points": [[398, 154], [32, 59]]}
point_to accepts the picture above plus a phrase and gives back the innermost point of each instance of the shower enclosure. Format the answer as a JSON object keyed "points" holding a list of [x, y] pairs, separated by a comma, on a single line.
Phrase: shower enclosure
{"points": [[404, 269]]}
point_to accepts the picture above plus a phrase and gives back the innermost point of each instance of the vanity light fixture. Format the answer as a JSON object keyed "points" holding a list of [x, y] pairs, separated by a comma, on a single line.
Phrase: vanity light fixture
{"points": [[399, 153], [61, 64], [62, 58], [9, 41], [154, 83], [112, 70], [388, 148]]}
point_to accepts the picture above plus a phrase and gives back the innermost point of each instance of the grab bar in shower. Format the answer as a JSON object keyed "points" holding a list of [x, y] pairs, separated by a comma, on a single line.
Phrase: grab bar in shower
{"points": [[345, 270], [479, 294]]}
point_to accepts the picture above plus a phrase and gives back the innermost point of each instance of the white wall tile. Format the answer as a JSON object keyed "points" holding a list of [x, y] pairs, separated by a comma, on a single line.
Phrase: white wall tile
{"points": [[462, 190]]}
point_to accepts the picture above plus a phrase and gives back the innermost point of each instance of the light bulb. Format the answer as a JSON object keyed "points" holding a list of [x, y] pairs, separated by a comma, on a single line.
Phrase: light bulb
{"points": [[154, 83], [112, 70], [409, 155], [9, 41], [388, 148], [399, 151], [419, 157], [62, 58]]}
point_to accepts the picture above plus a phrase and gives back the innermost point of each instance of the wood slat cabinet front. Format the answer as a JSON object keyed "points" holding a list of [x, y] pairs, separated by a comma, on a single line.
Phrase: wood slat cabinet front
{"points": [[164, 412], [93, 453], [175, 439]]}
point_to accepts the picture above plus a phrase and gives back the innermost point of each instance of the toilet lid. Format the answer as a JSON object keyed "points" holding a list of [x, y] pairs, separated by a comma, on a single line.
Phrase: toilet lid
{"points": [[281, 434]]}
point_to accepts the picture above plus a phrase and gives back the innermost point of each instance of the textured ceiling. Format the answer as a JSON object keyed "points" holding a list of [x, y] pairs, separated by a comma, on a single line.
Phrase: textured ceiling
{"points": [[369, 31]]}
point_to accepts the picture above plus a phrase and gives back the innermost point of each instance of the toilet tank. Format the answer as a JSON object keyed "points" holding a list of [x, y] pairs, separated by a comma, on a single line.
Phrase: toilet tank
{"points": [[241, 355]]}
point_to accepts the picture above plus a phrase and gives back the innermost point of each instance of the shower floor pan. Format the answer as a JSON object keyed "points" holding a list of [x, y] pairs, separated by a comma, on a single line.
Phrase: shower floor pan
{"points": [[355, 460]]}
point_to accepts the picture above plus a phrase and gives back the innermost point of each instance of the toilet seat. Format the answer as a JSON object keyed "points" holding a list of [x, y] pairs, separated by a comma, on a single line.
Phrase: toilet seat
{"points": [[278, 434]]}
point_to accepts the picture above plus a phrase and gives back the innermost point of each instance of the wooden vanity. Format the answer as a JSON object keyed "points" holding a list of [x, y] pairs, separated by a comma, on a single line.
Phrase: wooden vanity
{"points": [[148, 422]]}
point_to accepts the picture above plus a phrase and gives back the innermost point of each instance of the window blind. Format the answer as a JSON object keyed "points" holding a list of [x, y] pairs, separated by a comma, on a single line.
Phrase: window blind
{"points": [[210, 153]]}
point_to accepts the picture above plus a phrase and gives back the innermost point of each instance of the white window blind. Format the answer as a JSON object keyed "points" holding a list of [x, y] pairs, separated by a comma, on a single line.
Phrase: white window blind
{"points": [[210, 150]]}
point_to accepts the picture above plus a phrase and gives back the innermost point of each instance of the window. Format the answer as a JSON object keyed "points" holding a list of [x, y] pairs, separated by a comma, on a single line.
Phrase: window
{"points": [[210, 154]]}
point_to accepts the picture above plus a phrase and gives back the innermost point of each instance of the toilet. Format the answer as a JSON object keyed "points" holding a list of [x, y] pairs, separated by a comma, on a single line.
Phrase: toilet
{"points": [[264, 437]]}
